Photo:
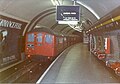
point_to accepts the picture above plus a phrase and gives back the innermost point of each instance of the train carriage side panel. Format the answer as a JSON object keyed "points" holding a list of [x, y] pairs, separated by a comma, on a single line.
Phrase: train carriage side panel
{"points": [[48, 45], [55, 45], [39, 43], [60, 44], [65, 42]]}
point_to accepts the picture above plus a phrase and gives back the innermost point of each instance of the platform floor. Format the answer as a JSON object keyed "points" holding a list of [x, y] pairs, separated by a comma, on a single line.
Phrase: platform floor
{"points": [[79, 66]]}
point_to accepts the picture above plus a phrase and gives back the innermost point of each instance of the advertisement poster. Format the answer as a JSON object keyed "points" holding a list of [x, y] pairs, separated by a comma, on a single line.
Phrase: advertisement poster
{"points": [[10, 32]]}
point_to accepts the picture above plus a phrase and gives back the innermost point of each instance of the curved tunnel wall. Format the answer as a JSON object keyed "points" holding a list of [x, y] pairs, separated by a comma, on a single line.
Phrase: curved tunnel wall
{"points": [[36, 19]]}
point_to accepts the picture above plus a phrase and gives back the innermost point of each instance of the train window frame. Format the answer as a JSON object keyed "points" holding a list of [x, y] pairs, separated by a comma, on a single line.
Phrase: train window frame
{"points": [[39, 37], [47, 40], [61, 40], [31, 37]]}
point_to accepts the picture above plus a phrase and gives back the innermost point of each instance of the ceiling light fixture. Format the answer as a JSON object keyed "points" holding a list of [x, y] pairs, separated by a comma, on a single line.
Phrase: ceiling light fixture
{"points": [[55, 2]]}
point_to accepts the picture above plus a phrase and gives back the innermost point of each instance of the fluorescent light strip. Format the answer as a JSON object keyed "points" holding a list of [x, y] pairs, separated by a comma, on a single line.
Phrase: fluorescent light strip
{"points": [[53, 2], [74, 28], [57, 3], [90, 9], [77, 30]]}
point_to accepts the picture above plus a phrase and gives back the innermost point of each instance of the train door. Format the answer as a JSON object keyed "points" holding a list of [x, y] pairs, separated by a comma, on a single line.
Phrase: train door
{"points": [[30, 44], [39, 44], [48, 45]]}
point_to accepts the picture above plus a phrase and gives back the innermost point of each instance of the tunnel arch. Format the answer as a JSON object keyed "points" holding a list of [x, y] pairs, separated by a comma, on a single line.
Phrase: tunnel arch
{"points": [[40, 16], [36, 18]]}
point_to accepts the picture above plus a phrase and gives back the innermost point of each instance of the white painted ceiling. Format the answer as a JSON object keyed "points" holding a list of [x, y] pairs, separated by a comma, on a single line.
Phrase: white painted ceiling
{"points": [[28, 9]]}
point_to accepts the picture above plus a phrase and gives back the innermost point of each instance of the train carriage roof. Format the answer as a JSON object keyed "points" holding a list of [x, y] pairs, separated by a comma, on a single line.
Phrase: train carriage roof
{"points": [[45, 29]]}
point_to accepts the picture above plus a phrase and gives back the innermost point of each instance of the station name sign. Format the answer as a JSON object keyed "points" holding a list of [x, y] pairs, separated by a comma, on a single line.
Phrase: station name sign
{"points": [[68, 13], [11, 23]]}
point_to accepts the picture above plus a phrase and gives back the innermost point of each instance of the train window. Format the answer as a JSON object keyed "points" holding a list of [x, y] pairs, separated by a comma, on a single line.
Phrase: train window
{"points": [[30, 37], [48, 38], [60, 40], [39, 38], [65, 39]]}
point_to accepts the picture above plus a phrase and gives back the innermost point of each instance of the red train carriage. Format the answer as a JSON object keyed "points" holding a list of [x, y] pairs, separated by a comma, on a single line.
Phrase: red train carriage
{"points": [[43, 42], [40, 41]]}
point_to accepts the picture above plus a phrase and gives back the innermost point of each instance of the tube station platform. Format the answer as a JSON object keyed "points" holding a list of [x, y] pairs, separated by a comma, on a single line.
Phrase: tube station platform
{"points": [[77, 65]]}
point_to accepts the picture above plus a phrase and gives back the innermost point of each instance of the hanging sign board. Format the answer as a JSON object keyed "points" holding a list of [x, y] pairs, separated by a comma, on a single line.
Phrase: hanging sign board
{"points": [[68, 14]]}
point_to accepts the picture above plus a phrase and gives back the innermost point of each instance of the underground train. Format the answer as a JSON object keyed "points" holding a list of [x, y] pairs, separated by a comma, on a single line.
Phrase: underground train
{"points": [[44, 43]]}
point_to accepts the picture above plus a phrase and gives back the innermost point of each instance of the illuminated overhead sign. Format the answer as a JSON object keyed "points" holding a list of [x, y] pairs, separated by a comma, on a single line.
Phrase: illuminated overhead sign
{"points": [[68, 14]]}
